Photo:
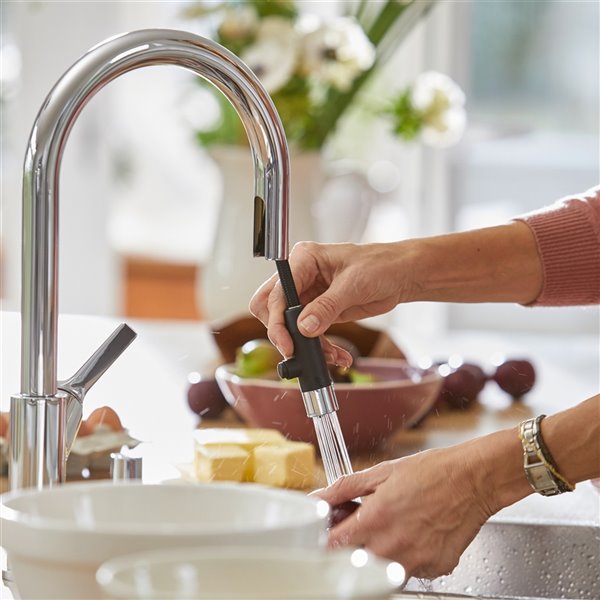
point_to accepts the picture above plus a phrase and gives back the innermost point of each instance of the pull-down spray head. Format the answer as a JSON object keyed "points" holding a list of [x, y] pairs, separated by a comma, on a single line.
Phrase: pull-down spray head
{"points": [[309, 366], [308, 363]]}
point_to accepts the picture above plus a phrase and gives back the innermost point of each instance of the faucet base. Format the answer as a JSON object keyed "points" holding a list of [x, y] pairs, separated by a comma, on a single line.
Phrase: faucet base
{"points": [[37, 423]]}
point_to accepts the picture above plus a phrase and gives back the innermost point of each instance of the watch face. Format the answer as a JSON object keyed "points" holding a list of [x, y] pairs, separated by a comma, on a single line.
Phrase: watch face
{"points": [[541, 479]]}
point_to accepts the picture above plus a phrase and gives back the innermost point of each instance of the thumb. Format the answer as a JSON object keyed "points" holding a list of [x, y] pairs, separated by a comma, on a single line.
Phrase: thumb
{"points": [[319, 314]]}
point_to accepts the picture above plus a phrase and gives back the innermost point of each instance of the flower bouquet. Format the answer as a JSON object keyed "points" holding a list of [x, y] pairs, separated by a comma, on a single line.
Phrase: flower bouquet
{"points": [[315, 67]]}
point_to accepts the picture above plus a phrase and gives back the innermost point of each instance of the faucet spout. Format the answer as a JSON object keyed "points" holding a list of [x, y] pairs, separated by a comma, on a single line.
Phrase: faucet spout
{"points": [[37, 451]]}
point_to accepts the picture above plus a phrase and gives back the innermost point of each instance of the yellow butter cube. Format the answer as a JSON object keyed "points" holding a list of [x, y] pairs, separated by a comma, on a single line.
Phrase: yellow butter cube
{"points": [[221, 463], [247, 439], [290, 465]]}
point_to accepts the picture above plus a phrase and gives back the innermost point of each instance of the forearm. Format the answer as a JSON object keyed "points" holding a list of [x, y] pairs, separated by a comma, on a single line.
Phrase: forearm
{"points": [[495, 264], [572, 437]]}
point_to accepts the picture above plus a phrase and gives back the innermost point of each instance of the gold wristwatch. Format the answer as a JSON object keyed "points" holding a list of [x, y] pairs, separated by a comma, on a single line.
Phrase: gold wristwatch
{"points": [[538, 463]]}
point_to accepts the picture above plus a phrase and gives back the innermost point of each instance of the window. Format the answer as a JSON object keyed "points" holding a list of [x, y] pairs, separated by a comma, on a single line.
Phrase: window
{"points": [[532, 79]]}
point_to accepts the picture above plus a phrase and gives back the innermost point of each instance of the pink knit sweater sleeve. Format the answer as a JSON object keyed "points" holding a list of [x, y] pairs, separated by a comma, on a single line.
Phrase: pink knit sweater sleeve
{"points": [[567, 234]]}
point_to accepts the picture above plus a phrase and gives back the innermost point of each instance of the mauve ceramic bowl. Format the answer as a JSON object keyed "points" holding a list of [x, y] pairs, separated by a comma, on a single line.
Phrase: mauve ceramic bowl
{"points": [[369, 413]]}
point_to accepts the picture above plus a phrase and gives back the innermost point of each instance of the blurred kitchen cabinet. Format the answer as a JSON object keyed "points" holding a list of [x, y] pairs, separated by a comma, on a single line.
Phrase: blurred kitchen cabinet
{"points": [[160, 290]]}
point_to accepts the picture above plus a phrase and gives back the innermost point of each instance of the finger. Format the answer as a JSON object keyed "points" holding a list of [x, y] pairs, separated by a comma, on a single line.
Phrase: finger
{"points": [[349, 487], [334, 354], [259, 302], [276, 327], [352, 531], [266, 305]]}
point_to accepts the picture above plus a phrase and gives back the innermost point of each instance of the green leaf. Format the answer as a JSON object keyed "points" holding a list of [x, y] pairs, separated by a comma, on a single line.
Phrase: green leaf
{"points": [[406, 120], [274, 8]]}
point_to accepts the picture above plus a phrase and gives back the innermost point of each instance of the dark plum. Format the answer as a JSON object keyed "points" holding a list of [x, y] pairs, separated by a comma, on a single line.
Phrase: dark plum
{"points": [[515, 377], [342, 511], [206, 399], [462, 386], [479, 374]]}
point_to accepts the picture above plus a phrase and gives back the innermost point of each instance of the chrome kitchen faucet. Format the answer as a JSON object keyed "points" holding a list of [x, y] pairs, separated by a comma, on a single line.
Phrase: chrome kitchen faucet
{"points": [[45, 416]]}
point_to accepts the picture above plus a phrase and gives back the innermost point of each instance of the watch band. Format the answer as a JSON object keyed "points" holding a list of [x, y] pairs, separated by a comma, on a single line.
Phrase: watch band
{"points": [[539, 466]]}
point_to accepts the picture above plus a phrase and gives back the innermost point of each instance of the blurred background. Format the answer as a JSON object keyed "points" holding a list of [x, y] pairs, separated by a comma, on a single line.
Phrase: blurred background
{"points": [[140, 197]]}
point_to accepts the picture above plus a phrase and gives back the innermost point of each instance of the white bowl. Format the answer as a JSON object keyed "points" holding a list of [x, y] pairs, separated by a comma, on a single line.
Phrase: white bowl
{"points": [[250, 574], [57, 538]]}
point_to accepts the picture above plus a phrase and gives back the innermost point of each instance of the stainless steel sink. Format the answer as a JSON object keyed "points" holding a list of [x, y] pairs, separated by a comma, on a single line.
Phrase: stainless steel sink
{"points": [[510, 559]]}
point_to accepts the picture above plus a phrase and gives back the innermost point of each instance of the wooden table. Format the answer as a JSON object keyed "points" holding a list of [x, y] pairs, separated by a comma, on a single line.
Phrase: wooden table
{"points": [[439, 429]]}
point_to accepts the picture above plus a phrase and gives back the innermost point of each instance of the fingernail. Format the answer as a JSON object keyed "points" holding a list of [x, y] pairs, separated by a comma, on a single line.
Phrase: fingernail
{"points": [[310, 324], [344, 362]]}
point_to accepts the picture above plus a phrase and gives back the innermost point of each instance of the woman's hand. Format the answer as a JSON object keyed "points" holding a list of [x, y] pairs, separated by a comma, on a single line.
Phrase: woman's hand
{"points": [[335, 283], [422, 510]]}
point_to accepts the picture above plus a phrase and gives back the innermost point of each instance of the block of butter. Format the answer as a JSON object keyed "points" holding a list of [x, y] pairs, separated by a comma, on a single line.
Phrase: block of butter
{"points": [[260, 455], [221, 463], [289, 465], [245, 439]]}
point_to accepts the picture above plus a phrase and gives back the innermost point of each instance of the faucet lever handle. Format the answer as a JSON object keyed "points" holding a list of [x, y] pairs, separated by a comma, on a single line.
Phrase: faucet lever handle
{"points": [[94, 367], [79, 384]]}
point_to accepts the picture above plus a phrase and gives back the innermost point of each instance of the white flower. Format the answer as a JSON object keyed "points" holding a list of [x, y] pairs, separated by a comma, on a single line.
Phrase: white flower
{"points": [[441, 102], [238, 23], [447, 130], [336, 51], [274, 54]]}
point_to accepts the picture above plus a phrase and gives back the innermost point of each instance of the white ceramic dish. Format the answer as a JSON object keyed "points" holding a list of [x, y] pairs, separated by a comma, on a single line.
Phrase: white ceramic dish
{"points": [[57, 538], [235, 573]]}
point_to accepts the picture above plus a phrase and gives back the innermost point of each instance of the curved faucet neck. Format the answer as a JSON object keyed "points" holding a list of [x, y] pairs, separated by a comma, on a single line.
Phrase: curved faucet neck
{"points": [[102, 64]]}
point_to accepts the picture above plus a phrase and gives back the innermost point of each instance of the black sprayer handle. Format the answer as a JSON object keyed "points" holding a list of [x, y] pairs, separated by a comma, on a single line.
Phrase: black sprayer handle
{"points": [[308, 363]]}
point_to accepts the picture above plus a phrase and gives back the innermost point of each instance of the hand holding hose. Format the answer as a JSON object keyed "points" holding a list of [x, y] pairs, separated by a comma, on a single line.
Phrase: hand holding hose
{"points": [[335, 283], [346, 282]]}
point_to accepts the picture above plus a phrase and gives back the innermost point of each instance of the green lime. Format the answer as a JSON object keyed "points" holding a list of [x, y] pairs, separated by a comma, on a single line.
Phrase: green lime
{"points": [[360, 377], [256, 358]]}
